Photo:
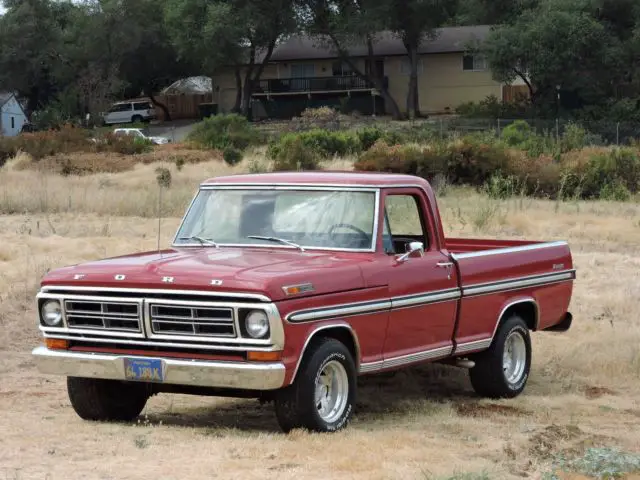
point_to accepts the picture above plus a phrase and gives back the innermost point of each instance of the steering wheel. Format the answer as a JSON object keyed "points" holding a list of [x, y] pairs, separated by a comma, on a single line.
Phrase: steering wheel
{"points": [[362, 233]]}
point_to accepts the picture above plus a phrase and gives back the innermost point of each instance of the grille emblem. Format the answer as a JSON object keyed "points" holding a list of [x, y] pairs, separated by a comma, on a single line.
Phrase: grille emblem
{"points": [[167, 279], [120, 277]]}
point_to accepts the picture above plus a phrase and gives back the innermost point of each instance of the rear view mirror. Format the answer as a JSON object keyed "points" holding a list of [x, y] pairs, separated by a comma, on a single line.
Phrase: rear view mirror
{"points": [[415, 249]]}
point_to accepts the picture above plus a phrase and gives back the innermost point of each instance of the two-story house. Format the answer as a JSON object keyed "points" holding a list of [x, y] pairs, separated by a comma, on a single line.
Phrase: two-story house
{"points": [[305, 71]]}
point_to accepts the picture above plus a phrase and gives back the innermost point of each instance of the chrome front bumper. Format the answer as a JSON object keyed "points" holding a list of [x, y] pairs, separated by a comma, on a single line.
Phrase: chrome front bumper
{"points": [[245, 376]]}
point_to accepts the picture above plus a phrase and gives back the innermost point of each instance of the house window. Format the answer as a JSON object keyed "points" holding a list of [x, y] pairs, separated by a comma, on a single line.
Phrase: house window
{"points": [[13, 123], [303, 70], [341, 69], [474, 63], [405, 66]]}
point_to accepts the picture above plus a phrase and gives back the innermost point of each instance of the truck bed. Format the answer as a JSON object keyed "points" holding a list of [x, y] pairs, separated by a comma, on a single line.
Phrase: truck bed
{"points": [[495, 273], [470, 245]]}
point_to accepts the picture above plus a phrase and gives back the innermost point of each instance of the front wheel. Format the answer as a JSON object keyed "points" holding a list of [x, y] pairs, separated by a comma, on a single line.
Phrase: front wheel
{"points": [[502, 371], [106, 400], [322, 398]]}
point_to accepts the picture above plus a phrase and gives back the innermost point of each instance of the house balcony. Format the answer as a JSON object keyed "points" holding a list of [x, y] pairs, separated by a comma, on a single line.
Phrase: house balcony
{"points": [[298, 86]]}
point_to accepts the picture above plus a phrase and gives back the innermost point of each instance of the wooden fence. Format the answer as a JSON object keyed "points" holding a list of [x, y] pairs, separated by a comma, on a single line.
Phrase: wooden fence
{"points": [[182, 105], [510, 93]]}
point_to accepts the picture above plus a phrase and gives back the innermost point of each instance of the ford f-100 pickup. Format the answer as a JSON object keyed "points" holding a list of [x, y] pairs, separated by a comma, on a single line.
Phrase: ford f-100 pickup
{"points": [[287, 286]]}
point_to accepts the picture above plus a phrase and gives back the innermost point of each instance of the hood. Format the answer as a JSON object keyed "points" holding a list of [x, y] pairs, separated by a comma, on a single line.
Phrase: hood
{"points": [[252, 270]]}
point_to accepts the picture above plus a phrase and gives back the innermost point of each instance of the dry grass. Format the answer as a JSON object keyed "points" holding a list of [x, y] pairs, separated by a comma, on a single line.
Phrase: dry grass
{"points": [[420, 423]]}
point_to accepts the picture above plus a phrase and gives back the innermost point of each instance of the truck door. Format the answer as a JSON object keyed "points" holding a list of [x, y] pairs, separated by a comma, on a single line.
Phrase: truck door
{"points": [[423, 286]]}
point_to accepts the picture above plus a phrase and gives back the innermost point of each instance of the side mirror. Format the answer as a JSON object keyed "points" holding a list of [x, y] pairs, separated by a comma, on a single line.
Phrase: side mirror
{"points": [[416, 249]]}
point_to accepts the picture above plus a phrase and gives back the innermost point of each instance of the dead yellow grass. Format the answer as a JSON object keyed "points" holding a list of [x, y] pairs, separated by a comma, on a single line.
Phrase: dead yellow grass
{"points": [[417, 423]]}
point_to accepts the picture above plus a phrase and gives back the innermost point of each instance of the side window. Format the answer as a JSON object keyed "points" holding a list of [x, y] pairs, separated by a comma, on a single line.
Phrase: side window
{"points": [[404, 222]]}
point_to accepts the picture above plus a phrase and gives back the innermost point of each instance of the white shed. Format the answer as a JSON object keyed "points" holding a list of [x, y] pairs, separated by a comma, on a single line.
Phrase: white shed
{"points": [[12, 116]]}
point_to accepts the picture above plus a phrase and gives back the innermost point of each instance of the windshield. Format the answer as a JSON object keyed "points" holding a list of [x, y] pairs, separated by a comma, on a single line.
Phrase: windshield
{"points": [[309, 218]]}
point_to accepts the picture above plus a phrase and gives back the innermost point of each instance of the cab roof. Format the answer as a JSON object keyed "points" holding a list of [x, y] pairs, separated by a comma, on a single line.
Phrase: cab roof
{"points": [[329, 178]]}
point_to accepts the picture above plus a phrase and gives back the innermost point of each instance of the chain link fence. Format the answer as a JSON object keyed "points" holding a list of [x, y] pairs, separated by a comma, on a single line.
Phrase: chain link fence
{"points": [[599, 132]]}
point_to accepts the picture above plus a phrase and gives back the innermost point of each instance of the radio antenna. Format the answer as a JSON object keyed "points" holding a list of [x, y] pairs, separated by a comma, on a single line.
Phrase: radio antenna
{"points": [[163, 177]]}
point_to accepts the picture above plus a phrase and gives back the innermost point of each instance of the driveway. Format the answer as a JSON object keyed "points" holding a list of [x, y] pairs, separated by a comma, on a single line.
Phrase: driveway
{"points": [[176, 130]]}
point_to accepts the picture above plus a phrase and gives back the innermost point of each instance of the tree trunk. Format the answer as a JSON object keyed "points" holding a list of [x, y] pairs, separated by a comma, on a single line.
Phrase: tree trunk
{"points": [[372, 77], [236, 106], [163, 107], [413, 102]]}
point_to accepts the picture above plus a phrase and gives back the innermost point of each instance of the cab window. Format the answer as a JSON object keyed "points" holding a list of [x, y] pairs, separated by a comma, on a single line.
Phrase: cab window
{"points": [[403, 223]]}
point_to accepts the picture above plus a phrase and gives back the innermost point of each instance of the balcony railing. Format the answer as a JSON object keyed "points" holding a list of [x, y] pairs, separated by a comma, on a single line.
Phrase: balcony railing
{"points": [[282, 86]]}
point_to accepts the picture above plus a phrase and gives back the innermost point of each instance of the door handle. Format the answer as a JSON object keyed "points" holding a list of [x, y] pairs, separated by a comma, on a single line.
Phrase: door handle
{"points": [[448, 266]]}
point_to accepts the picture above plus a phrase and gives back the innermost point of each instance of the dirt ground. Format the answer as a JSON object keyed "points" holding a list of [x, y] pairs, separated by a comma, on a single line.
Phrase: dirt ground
{"points": [[419, 423]]}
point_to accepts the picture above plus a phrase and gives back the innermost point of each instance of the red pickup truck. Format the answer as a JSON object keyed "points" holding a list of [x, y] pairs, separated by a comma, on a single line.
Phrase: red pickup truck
{"points": [[287, 286]]}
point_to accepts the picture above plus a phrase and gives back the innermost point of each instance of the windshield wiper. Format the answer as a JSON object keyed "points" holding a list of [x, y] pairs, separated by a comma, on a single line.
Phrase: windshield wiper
{"points": [[203, 241], [276, 239]]}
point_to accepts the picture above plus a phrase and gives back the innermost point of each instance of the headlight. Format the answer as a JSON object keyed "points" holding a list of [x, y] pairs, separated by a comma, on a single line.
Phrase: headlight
{"points": [[257, 324], [51, 313]]}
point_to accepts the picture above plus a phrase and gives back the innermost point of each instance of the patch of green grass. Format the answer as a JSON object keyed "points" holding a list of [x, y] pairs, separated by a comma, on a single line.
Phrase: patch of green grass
{"points": [[599, 463], [483, 475]]}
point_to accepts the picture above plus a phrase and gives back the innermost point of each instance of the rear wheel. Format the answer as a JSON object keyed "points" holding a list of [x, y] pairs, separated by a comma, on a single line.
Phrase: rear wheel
{"points": [[502, 371], [322, 398], [106, 400]]}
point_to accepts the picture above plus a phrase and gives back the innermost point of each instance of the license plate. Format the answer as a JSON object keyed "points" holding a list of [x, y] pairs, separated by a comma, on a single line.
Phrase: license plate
{"points": [[143, 369]]}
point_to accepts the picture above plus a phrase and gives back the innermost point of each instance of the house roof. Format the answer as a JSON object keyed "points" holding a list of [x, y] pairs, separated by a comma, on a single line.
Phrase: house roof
{"points": [[447, 40], [5, 97]]}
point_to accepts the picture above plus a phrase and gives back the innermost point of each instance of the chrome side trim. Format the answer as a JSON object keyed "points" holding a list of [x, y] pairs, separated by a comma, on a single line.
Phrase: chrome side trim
{"points": [[406, 359], [498, 251], [343, 325], [374, 306], [246, 376], [205, 293], [343, 310], [473, 346], [517, 283], [425, 299]]}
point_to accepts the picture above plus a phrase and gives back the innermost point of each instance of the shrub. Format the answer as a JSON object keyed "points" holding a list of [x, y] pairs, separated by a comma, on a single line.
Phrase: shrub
{"points": [[232, 155], [517, 134], [615, 191], [473, 162], [322, 142], [294, 154], [393, 159], [222, 131], [369, 136]]}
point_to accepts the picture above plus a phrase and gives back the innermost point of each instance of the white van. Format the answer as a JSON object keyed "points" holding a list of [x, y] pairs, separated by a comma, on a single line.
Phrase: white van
{"points": [[130, 111]]}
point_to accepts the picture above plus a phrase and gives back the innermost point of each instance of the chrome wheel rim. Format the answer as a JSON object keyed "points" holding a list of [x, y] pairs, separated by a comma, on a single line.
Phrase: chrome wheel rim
{"points": [[332, 391], [514, 357]]}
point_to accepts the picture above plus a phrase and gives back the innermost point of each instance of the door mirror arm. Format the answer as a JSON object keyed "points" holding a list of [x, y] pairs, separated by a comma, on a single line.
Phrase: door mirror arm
{"points": [[416, 249]]}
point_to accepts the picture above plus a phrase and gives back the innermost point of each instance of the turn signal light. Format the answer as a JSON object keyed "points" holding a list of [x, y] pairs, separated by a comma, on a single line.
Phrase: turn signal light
{"points": [[264, 356], [56, 344]]}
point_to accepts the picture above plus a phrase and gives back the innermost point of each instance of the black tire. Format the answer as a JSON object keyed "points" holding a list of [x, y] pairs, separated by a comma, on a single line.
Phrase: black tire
{"points": [[136, 119], [295, 405], [488, 376], [106, 400]]}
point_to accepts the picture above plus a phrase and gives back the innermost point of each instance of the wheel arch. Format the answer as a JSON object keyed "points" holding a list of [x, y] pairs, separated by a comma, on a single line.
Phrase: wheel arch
{"points": [[343, 332], [527, 308]]}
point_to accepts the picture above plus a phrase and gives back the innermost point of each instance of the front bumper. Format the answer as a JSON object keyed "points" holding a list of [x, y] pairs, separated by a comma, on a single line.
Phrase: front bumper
{"points": [[236, 375]]}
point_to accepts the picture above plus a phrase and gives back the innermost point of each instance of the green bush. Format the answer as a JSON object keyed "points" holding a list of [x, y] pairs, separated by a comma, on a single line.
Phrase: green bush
{"points": [[517, 134], [369, 136], [615, 191], [294, 154], [222, 131], [391, 158], [324, 143], [232, 155]]}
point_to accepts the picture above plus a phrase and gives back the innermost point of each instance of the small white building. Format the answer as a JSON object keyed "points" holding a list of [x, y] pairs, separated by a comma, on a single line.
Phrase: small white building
{"points": [[12, 116]]}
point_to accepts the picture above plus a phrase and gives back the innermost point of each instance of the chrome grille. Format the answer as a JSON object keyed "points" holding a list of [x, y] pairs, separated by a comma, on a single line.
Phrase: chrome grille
{"points": [[192, 320], [109, 315]]}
